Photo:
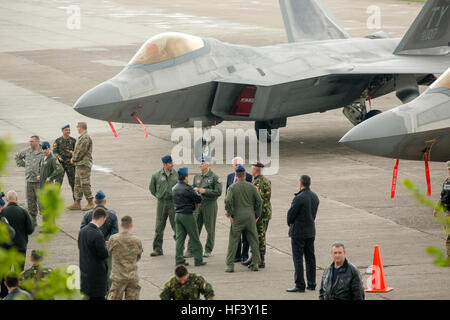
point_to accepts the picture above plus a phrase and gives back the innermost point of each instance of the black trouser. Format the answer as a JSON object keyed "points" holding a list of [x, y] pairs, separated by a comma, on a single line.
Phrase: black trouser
{"points": [[242, 249], [304, 247], [4, 290]]}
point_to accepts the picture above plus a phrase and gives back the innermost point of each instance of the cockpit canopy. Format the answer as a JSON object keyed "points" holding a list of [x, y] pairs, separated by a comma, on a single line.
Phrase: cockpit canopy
{"points": [[166, 46]]}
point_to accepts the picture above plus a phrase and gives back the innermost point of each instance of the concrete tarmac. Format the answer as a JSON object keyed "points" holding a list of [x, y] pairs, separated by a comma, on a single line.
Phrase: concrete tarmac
{"points": [[45, 67]]}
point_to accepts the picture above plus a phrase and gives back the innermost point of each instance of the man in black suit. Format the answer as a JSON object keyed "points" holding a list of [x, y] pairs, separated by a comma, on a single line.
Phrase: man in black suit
{"points": [[302, 230], [20, 220], [93, 255], [243, 245]]}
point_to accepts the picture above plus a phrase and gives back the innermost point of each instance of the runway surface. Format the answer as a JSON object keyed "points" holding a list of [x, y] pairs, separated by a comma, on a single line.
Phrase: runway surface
{"points": [[45, 67]]}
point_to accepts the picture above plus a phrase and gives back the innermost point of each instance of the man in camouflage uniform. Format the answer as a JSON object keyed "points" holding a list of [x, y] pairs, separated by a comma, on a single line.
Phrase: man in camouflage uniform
{"points": [[36, 271], [30, 159], [264, 187], [50, 170], [186, 286], [160, 187], [208, 185], [445, 203], [62, 149], [125, 249], [82, 159], [243, 206]]}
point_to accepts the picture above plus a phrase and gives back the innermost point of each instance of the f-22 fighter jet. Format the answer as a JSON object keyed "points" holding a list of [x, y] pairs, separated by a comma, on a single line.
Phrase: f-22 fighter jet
{"points": [[175, 79], [410, 131]]}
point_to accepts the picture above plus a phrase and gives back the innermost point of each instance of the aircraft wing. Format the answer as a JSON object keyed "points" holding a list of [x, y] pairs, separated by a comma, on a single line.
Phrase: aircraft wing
{"points": [[395, 65]]}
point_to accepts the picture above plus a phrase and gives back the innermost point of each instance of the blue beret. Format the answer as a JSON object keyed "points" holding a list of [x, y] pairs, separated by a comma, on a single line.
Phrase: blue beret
{"points": [[183, 172], [2, 202], [166, 159], [206, 159], [240, 169], [65, 126], [45, 145], [100, 195]]}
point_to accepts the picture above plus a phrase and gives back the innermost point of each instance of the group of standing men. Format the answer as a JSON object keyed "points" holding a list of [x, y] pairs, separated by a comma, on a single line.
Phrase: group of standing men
{"points": [[70, 156], [189, 208]]}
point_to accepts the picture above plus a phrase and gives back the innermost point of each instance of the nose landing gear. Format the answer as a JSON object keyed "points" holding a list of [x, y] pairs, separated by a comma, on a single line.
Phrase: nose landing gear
{"points": [[267, 131], [357, 112]]}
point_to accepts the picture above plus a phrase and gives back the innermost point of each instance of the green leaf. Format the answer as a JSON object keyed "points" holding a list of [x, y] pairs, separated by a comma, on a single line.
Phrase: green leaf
{"points": [[441, 216]]}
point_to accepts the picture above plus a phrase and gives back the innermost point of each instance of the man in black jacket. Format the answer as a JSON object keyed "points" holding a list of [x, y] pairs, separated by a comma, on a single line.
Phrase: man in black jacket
{"points": [[20, 220], [185, 201], [243, 245], [93, 255], [302, 230], [109, 228], [341, 280]]}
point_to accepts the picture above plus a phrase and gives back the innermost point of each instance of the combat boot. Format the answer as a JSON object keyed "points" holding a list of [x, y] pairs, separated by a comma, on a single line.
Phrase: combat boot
{"points": [[254, 267], [75, 206], [184, 263], [229, 269], [262, 264], [89, 206]]}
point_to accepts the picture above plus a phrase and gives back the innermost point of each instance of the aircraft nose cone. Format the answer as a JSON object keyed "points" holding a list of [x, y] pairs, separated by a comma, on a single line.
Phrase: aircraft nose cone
{"points": [[380, 135], [94, 103]]}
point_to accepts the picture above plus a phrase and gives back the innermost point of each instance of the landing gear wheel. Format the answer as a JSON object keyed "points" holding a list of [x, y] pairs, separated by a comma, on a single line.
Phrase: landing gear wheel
{"points": [[371, 114], [201, 149], [266, 135], [201, 146]]}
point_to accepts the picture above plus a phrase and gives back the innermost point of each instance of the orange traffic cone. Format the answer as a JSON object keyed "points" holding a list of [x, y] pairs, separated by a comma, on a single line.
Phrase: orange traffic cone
{"points": [[378, 279]]}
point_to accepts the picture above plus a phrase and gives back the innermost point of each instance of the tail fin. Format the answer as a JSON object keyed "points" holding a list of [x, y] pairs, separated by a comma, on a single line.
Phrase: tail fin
{"points": [[310, 20], [430, 32]]}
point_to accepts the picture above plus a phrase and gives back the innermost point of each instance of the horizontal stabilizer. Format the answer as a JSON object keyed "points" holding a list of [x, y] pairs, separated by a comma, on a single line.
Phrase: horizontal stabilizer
{"points": [[307, 20]]}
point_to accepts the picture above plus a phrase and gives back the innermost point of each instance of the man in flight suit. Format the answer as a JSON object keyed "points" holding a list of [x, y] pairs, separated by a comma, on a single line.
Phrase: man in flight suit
{"points": [[160, 187], [243, 205], [208, 185]]}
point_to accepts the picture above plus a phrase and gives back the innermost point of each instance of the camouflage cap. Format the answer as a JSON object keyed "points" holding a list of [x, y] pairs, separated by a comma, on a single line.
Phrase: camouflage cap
{"points": [[258, 165]]}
